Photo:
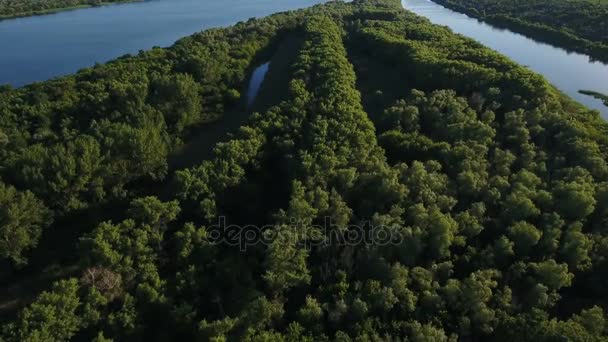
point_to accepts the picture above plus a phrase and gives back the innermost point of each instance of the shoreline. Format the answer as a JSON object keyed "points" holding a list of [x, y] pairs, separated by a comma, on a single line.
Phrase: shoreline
{"points": [[62, 9], [537, 31]]}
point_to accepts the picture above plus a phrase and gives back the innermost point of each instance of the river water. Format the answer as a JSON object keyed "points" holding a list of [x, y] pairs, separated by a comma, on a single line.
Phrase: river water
{"points": [[256, 82], [42, 47], [570, 72]]}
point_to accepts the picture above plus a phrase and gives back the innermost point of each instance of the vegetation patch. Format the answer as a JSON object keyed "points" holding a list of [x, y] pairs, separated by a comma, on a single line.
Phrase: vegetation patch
{"points": [[596, 95]]}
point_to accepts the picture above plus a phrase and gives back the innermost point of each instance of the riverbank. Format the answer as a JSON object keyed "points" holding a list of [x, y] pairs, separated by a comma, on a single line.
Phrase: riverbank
{"points": [[535, 30], [63, 9], [40, 48], [568, 71]]}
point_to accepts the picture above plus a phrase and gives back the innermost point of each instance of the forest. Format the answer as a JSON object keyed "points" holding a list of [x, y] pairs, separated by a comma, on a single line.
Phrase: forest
{"points": [[576, 25], [24, 8], [393, 181]]}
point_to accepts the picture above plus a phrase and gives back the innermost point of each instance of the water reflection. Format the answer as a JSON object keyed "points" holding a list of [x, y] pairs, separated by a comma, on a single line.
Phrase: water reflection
{"points": [[570, 72], [256, 81]]}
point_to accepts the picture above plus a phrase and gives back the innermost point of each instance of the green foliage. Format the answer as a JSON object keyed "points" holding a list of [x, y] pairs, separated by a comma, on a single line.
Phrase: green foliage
{"points": [[131, 247], [22, 219], [525, 236], [62, 174], [53, 316], [177, 97]]}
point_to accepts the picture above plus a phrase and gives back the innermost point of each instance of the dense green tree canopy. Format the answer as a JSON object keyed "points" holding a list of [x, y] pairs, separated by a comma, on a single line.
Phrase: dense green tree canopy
{"points": [[22, 219]]}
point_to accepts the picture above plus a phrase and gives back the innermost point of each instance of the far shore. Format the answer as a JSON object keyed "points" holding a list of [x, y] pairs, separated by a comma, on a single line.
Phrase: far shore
{"points": [[62, 9]]}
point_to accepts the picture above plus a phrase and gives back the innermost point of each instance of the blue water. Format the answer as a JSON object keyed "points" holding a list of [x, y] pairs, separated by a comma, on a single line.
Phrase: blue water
{"points": [[42, 47], [256, 81], [570, 72]]}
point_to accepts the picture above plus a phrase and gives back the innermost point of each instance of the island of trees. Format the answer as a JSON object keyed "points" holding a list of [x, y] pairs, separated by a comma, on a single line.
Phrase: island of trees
{"points": [[596, 95], [482, 192], [577, 25], [24, 8]]}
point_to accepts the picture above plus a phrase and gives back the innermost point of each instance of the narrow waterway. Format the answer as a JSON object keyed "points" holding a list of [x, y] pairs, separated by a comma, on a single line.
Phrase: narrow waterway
{"points": [[570, 72], [256, 81]]}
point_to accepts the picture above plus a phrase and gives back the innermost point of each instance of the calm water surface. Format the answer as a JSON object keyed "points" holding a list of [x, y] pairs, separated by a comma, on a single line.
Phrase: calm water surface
{"points": [[570, 72], [256, 81], [42, 47]]}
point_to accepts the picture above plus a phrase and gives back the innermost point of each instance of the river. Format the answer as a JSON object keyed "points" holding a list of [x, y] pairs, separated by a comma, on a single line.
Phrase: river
{"points": [[42, 47], [570, 72]]}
